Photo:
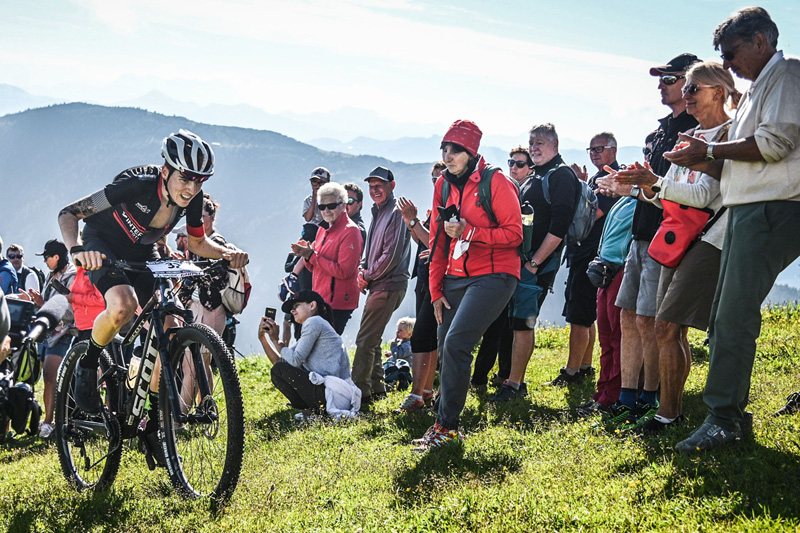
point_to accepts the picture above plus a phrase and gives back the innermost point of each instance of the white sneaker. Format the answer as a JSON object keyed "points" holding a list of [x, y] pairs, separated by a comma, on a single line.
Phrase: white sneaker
{"points": [[45, 430]]}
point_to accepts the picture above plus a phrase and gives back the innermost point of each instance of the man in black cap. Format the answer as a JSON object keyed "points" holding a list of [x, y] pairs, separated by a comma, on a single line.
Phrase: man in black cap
{"points": [[637, 294], [384, 272]]}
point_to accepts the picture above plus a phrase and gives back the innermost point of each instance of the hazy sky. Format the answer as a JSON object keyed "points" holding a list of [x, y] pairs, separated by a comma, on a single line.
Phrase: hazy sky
{"points": [[582, 65]]}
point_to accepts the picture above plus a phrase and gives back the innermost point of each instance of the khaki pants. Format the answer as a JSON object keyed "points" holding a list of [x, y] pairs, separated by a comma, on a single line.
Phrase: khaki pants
{"points": [[367, 370]]}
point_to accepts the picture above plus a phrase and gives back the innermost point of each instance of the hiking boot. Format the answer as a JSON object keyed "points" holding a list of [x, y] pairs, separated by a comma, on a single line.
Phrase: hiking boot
{"points": [[564, 379], [642, 412], [591, 407], [707, 437], [792, 405], [588, 373], [438, 436], [410, 405], [428, 397], [507, 393], [87, 397], [653, 426]]}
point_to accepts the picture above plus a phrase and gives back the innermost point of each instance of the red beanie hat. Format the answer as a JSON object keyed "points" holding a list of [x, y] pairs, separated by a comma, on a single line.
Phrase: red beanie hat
{"points": [[464, 133]]}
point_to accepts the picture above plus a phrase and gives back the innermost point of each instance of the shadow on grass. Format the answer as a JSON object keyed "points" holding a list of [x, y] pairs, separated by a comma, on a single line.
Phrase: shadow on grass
{"points": [[102, 510], [415, 483], [23, 446]]}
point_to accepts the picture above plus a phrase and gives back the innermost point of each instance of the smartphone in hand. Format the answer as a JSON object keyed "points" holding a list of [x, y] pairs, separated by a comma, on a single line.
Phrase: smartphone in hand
{"points": [[59, 287], [270, 312]]}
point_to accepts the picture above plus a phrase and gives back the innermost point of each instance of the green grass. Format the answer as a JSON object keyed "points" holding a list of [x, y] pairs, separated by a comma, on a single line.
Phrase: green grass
{"points": [[530, 465]]}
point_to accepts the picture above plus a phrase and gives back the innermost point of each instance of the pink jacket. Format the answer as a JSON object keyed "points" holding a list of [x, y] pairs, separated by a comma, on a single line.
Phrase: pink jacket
{"points": [[334, 263]]}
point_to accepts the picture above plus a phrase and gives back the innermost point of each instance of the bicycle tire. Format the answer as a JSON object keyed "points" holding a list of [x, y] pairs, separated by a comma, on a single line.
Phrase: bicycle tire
{"points": [[89, 459], [204, 458]]}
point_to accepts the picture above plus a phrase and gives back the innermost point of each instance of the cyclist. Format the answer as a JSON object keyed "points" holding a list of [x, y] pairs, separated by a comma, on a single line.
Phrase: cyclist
{"points": [[125, 220]]}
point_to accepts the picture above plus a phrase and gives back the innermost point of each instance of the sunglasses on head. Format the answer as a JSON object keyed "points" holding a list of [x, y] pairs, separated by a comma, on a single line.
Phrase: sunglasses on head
{"points": [[329, 207], [15, 256], [671, 79], [519, 164], [598, 149], [692, 88]]}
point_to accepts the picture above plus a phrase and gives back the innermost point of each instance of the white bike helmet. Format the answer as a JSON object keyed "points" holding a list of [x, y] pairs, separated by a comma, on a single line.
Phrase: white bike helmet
{"points": [[187, 152]]}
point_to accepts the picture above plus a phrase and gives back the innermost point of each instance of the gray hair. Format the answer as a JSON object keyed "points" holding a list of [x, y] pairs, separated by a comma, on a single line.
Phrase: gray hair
{"points": [[608, 136], [744, 25], [332, 189], [547, 129]]}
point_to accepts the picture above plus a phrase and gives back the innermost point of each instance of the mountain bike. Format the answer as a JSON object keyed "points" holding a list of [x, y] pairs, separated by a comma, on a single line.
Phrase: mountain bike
{"points": [[200, 418]]}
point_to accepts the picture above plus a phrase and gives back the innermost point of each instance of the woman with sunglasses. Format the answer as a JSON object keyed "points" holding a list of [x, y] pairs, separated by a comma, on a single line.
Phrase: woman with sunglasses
{"points": [[334, 256], [685, 293], [320, 351]]}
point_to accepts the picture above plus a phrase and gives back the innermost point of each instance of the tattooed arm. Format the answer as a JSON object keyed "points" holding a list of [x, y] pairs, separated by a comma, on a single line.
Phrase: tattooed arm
{"points": [[68, 222]]}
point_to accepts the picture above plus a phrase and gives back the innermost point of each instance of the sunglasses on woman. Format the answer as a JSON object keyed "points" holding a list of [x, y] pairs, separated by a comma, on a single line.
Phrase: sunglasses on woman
{"points": [[329, 207], [692, 88], [519, 164]]}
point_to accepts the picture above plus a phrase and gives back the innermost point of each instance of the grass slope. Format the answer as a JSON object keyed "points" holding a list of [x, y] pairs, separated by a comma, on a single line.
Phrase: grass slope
{"points": [[529, 465]]}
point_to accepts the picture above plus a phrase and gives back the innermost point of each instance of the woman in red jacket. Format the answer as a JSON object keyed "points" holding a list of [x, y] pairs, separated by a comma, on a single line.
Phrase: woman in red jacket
{"points": [[474, 267], [334, 257]]}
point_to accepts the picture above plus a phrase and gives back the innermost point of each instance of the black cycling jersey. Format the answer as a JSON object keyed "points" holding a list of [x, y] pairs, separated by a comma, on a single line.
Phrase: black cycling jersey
{"points": [[128, 204]]}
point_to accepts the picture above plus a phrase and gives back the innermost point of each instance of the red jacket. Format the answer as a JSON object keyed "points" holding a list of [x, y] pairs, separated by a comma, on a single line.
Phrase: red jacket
{"points": [[87, 302], [334, 263], [493, 247]]}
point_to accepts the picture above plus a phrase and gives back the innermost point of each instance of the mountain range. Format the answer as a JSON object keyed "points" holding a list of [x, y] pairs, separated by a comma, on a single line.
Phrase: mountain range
{"points": [[54, 155]]}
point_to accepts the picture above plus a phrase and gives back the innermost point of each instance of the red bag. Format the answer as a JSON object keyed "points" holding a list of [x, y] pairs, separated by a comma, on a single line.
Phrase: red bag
{"points": [[682, 226]]}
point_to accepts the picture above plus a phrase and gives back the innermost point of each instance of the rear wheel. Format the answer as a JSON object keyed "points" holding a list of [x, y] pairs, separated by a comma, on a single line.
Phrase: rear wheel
{"points": [[204, 455], [89, 445]]}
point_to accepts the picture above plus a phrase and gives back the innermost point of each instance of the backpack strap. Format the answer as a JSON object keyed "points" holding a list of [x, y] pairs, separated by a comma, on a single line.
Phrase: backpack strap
{"points": [[485, 192], [445, 195], [546, 182]]}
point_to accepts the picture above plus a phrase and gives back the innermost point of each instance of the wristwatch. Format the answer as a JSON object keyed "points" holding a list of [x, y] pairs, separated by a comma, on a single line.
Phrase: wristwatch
{"points": [[635, 192], [534, 264], [710, 152], [413, 223]]}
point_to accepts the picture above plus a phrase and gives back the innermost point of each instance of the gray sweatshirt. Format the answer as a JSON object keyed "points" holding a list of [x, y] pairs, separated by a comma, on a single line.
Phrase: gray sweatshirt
{"points": [[320, 349]]}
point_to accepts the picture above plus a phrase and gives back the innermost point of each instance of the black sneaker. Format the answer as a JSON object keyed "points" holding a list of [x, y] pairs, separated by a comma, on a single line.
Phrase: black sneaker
{"points": [[564, 379], [591, 407], [87, 396], [507, 393], [792, 405], [588, 373], [617, 415]]}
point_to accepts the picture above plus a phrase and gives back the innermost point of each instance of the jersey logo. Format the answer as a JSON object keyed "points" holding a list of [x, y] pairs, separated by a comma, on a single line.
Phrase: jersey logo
{"points": [[143, 208]]}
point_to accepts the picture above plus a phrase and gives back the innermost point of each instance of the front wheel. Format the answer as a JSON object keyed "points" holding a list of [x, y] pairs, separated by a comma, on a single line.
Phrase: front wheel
{"points": [[204, 455], [89, 445]]}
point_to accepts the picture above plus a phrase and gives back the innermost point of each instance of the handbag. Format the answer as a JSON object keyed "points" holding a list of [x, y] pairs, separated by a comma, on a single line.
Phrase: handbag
{"points": [[602, 272], [682, 226]]}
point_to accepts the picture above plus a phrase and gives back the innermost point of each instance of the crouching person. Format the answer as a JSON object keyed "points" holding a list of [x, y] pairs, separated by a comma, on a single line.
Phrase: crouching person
{"points": [[314, 373]]}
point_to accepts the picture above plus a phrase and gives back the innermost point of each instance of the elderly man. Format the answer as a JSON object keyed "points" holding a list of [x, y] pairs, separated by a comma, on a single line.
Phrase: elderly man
{"points": [[637, 294], [384, 272], [758, 168], [539, 268], [580, 307]]}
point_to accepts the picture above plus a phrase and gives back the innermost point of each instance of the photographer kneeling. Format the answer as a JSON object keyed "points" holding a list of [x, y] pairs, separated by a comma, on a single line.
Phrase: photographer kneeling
{"points": [[301, 372]]}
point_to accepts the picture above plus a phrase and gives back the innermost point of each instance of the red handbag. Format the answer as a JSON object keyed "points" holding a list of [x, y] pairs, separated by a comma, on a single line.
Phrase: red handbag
{"points": [[681, 227]]}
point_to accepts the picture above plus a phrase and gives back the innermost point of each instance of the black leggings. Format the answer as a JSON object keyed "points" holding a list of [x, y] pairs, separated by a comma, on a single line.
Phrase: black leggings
{"points": [[293, 383]]}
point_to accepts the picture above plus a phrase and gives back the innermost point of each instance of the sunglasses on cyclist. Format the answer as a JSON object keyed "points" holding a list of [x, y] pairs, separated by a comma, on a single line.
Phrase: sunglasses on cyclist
{"points": [[15, 256], [598, 149], [692, 88], [514, 162], [671, 79], [329, 207]]}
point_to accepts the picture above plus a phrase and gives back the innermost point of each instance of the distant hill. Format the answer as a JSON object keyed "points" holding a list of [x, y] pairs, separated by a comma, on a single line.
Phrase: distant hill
{"points": [[14, 99]]}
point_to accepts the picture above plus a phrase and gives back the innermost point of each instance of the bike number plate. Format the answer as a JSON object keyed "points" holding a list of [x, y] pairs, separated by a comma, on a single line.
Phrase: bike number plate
{"points": [[173, 268]]}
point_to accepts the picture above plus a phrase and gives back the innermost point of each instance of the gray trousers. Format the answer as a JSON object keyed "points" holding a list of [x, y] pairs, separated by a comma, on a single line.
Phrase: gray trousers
{"points": [[475, 303], [761, 240]]}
